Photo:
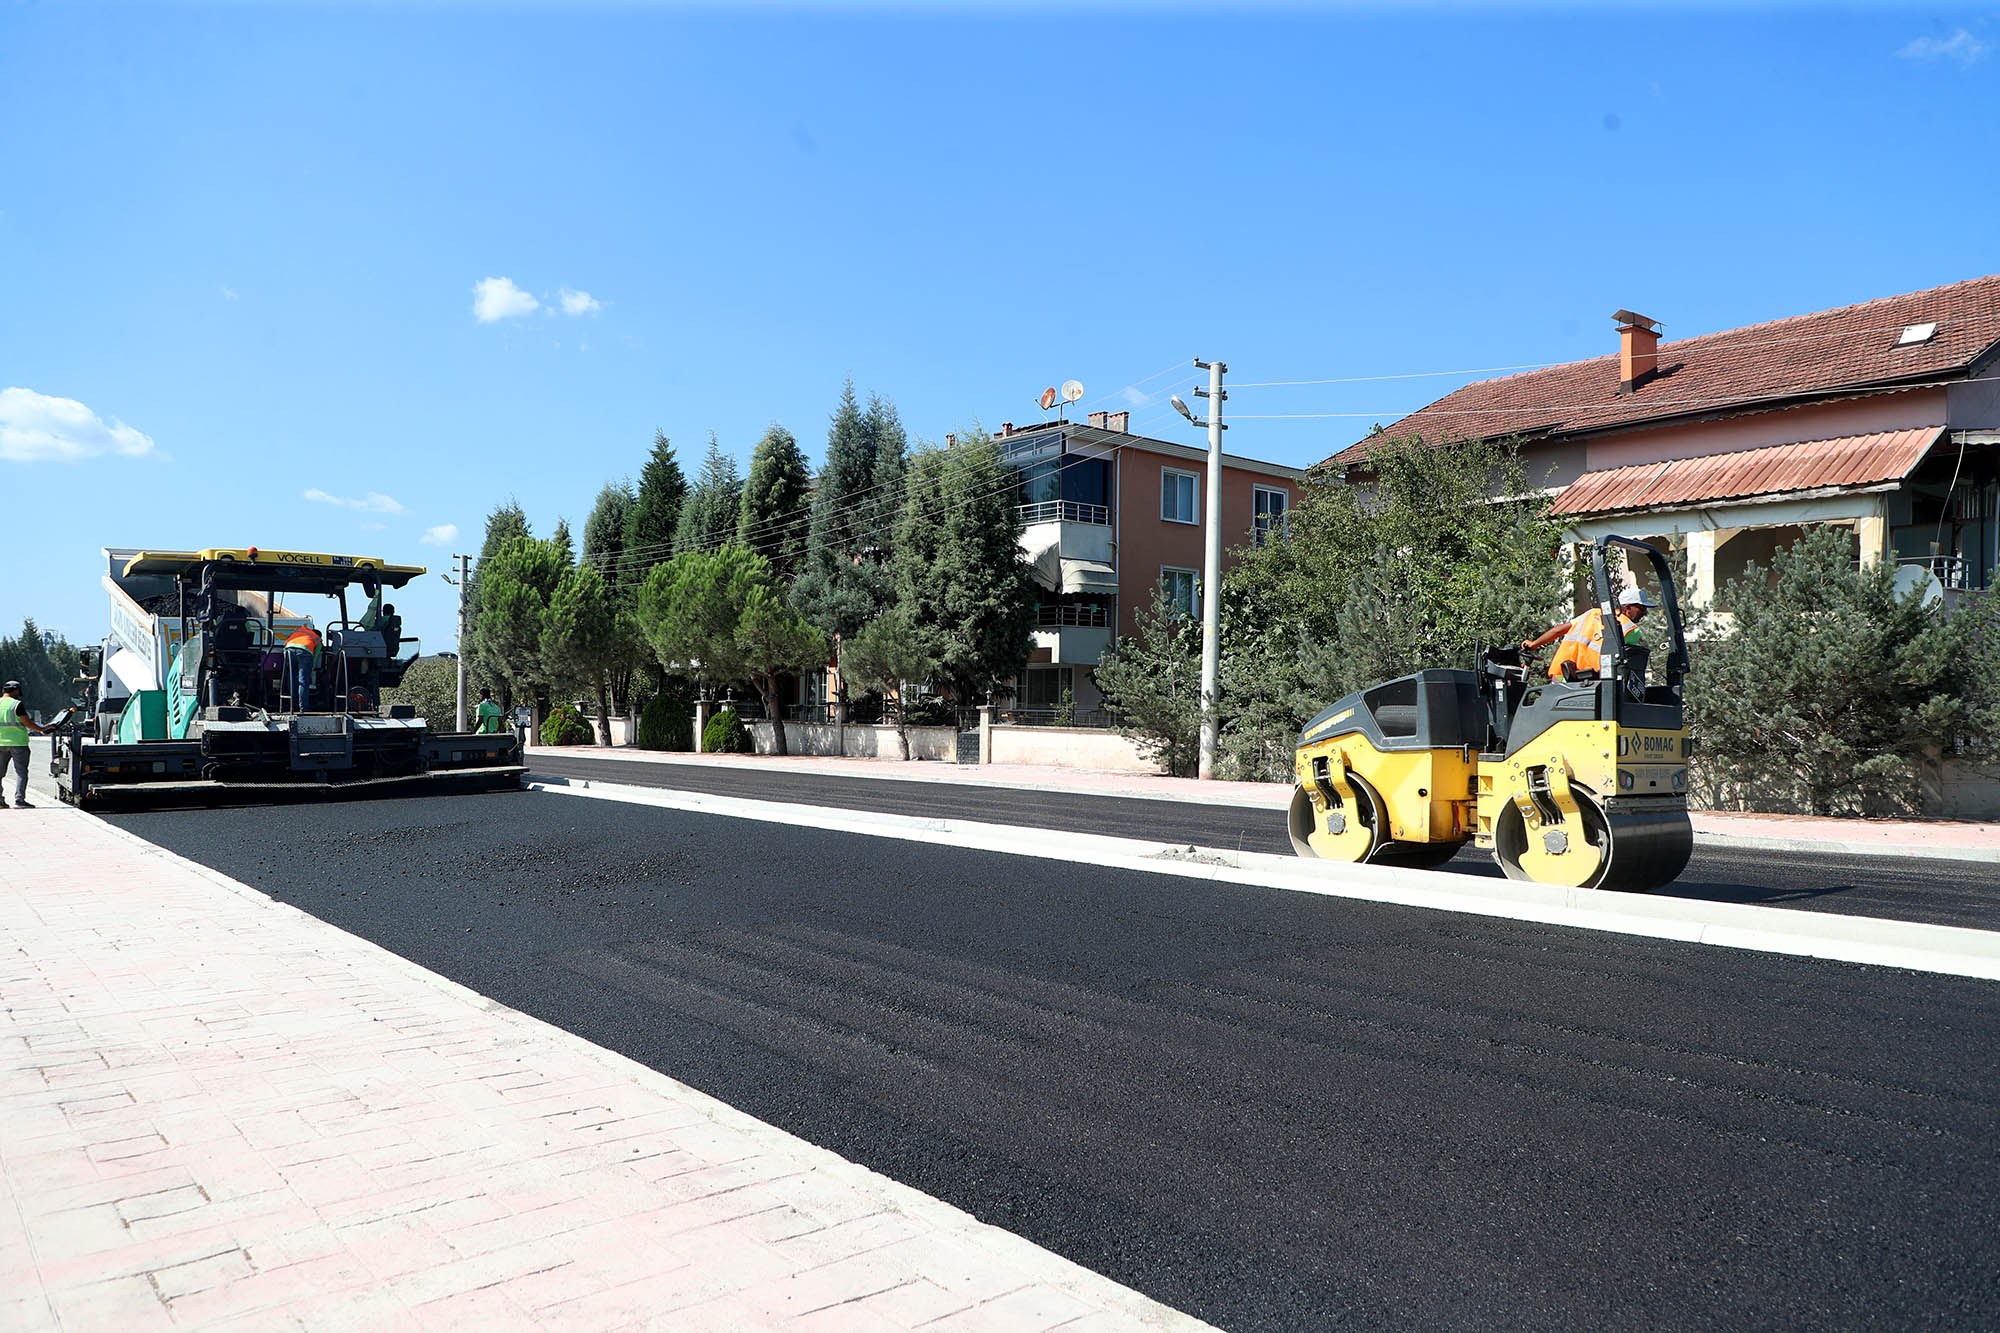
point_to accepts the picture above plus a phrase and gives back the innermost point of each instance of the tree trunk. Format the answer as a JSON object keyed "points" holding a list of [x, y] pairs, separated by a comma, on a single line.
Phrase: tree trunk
{"points": [[603, 713], [767, 687]]}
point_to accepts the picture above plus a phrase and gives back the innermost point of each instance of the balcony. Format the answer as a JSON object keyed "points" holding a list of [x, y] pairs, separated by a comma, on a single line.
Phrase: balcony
{"points": [[1074, 645], [1082, 617], [1064, 511]]}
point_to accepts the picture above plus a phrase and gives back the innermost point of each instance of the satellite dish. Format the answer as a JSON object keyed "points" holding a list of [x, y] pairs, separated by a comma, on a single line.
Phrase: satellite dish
{"points": [[1917, 576], [1048, 399], [1072, 390]]}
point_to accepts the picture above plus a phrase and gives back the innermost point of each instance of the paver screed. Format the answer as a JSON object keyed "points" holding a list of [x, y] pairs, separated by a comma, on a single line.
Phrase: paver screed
{"points": [[217, 1111]]}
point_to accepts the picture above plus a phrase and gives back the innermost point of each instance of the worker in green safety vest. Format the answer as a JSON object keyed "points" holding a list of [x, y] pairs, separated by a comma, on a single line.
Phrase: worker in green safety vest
{"points": [[15, 724]]}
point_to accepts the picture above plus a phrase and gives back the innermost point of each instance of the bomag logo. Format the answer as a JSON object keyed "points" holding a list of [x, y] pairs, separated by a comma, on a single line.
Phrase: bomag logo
{"points": [[1666, 747]]}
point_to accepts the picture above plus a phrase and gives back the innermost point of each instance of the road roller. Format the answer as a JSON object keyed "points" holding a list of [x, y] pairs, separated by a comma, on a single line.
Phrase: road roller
{"points": [[1579, 781]]}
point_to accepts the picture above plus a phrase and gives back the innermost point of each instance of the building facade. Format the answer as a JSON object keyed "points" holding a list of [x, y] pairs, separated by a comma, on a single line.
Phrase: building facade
{"points": [[1883, 417], [1108, 517]]}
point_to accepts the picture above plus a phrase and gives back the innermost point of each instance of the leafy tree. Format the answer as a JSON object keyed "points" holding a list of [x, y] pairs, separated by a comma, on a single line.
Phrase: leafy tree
{"points": [[772, 518], [958, 568], [1392, 571], [710, 515], [430, 687], [1831, 693], [581, 637], [888, 655], [666, 723], [516, 586], [654, 514], [503, 525], [1152, 682], [724, 611], [840, 586]]}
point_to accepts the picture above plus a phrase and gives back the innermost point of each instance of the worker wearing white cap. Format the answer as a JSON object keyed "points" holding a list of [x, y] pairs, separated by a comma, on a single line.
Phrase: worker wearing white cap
{"points": [[1583, 638], [15, 724]]}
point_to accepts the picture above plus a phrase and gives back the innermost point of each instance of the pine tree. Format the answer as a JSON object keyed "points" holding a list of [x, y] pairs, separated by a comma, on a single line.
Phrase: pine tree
{"points": [[517, 584], [710, 516], [839, 588], [604, 530], [565, 547], [891, 447], [772, 517], [654, 514]]}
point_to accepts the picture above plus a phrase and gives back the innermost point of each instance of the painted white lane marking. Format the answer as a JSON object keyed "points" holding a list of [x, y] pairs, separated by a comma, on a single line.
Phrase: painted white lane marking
{"points": [[1950, 950]]}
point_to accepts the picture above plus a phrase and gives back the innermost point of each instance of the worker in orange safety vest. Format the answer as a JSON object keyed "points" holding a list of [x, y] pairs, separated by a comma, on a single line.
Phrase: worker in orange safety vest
{"points": [[1583, 638], [301, 655]]}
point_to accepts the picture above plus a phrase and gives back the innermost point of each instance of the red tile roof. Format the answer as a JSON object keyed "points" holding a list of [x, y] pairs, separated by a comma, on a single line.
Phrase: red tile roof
{"points": [[1850, 348], [1851, 460]]}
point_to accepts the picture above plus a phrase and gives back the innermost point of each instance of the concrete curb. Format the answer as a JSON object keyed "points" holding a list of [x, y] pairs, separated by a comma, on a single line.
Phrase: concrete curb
{"points": [[1951, 950]]}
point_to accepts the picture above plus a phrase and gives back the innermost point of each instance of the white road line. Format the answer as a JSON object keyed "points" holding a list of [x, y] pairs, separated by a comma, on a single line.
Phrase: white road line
{"points": [[1950, 950]]}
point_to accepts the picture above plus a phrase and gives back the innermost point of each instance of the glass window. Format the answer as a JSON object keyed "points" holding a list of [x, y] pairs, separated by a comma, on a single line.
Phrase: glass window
{"points": [[1177, 503], [1181, 587], [1269, 518]]}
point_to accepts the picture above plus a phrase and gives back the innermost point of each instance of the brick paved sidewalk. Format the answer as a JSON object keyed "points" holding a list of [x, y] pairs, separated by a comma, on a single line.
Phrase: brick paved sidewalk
{"points": [[222, 1113]]}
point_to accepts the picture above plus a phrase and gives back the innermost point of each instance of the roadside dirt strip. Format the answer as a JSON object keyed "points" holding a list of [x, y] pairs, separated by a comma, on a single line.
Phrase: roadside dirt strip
{"points": [[220, 1110], [1949, 950]]}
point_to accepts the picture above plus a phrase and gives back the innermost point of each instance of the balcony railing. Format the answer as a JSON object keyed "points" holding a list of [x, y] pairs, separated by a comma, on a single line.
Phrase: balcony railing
{"points": [[1950, 569], [1098, 719], [1085, 617], [1066, 511]]}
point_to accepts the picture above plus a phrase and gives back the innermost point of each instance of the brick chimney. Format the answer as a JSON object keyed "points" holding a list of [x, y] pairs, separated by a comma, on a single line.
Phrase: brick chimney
{"points": [[1006, 428], [1097, 419], [1638, 349], [1119, 421]]}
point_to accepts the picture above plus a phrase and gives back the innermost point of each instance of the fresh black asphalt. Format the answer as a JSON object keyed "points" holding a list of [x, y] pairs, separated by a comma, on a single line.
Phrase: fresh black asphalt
{"points": [[1273, 1110], [1937, 892]]}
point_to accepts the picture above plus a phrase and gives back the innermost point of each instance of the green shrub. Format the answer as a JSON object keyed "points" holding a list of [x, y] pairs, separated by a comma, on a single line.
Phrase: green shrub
{"points": [[664, 724], [726, 734], [563, 726]]}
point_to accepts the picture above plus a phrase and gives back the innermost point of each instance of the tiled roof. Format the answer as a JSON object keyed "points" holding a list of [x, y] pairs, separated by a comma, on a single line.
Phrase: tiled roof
{"points": [[1849, 348], [1852, 460]]}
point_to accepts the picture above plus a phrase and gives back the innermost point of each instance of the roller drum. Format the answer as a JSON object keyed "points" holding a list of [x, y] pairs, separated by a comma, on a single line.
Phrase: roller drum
{"points": [[1649, 848]]}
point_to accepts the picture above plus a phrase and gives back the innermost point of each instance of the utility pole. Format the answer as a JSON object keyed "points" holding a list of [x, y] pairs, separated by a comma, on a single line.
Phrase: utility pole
{"points": [[464, 576], [1211, 564]]}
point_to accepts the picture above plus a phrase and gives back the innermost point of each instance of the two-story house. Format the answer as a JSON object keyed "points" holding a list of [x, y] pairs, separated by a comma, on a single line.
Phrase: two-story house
{"points": [[1110, 516], [1883, 417]]}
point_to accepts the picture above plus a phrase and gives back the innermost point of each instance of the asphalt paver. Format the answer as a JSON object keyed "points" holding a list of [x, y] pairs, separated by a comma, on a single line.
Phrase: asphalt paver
{"points": [[1935, 892], [1271, 1110]]}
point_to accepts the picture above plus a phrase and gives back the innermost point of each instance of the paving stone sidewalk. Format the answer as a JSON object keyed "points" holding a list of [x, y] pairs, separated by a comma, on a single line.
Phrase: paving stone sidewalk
{"points": [[218, 1112]]}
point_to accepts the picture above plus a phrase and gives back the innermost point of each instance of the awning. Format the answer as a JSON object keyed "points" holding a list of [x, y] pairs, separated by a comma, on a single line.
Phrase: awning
{"points": [[1088, 576], [1779, 469], [1045, 556]]}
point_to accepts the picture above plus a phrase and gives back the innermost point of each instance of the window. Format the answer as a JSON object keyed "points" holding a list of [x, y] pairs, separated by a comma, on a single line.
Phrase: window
{"points": [[1269, 518], [1177, 504], [1181, 587]]}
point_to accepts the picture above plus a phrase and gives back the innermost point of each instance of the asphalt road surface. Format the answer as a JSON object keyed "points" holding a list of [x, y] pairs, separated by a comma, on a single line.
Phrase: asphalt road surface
{"points": [[1273, 1110], [1948, 893]]}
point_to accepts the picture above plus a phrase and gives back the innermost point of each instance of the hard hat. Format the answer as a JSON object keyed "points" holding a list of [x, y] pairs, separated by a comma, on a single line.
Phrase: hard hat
{"points": [[309, 622], [1634, 595], [11, 685]]}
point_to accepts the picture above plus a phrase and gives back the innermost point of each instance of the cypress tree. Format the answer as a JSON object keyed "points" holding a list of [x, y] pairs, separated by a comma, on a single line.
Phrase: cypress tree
{"points": [[890, 445], [838, 589], [654, 514], [771, 519]]}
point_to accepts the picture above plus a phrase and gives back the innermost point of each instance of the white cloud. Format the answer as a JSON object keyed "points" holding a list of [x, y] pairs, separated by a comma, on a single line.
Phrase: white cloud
{"points": [[444, 534], [229, 293], [579, 303], [372, 503], [34, 426], [1132, 397], [1961, 47], [496, 299]]}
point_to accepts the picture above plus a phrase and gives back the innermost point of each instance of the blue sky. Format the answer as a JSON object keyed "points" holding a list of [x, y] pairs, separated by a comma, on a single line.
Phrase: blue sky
{"points": [[239, 244]]}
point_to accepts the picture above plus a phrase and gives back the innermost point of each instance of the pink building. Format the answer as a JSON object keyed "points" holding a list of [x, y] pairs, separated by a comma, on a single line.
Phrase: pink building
{"points": [[1109, 516]]}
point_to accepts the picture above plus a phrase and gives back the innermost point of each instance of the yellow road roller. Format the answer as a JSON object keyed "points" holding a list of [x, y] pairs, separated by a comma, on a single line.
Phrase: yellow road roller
{"points": [[1579, 781]]}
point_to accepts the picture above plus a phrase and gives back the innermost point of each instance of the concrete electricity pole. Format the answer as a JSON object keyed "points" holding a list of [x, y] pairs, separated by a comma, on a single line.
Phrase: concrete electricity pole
{"points": [[464, 576], [1211, 564]]}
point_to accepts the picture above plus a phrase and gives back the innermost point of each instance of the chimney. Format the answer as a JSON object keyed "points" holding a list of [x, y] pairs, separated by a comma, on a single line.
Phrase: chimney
{"points": [[1006, 428], [1119, 421], [1638, 349], [1097, 420]]}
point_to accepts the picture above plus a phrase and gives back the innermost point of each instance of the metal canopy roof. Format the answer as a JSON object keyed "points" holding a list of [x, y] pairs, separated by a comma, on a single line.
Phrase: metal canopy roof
{"points": [[1778, 469], [253, 568]]}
